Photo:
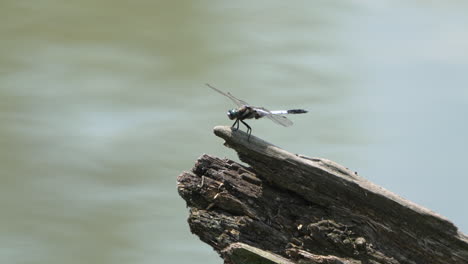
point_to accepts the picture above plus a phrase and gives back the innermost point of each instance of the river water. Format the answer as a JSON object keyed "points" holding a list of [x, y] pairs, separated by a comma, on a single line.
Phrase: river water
{"points": [[103, 105]]}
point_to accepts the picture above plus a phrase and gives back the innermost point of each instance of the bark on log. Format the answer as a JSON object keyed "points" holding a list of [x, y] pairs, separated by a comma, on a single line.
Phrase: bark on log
{"points": [[288, 208]]}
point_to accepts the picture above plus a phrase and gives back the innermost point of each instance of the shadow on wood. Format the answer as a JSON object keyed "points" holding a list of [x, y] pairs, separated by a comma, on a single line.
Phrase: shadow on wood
{"points": [[297, 209]]}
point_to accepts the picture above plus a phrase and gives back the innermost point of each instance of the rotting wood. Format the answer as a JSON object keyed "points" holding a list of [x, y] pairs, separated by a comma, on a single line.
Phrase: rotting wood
{"points": [[308, 210]]}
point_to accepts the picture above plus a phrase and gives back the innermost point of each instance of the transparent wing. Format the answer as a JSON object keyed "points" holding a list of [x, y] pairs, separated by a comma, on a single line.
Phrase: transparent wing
{"points": [[238, 102], [274, 116], [280, 120]]}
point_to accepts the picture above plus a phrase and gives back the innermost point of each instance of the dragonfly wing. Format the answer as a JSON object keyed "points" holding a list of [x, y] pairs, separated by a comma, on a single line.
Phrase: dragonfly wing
{"points": [[275, 116], [236, 101], [262, 111], [280, 120]]}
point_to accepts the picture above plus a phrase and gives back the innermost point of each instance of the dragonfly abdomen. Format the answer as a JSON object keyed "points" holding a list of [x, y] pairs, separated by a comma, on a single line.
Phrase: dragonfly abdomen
{"points": [[297, 111], [292, 111]]}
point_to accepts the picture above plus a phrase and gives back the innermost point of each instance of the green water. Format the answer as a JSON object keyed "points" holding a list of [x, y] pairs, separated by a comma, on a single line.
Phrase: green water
{"points": [[103, 105]]}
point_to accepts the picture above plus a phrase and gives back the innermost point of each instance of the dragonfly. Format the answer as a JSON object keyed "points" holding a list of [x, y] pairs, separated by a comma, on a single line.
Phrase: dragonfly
{"points": [[246, 111]]}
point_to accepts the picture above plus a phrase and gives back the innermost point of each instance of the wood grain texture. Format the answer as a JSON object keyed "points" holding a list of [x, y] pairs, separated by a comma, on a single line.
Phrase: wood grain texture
{"points": [[308, 210]]}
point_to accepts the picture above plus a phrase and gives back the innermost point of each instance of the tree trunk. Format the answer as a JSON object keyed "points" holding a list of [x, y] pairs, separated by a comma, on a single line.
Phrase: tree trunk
{"points": [[289, 208]]}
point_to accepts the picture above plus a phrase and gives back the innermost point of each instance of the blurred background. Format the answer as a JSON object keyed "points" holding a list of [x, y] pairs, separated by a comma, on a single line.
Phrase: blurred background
{"points": [[103, 105]]}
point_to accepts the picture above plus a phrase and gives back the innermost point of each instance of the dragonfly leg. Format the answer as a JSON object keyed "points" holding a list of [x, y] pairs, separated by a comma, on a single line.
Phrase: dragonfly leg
{"points": [[237, 122], [249, 129]]}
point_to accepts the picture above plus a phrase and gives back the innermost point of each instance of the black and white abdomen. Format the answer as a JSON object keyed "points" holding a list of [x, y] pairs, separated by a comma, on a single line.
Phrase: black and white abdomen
{"points": [[292, 111], [297, 111]]}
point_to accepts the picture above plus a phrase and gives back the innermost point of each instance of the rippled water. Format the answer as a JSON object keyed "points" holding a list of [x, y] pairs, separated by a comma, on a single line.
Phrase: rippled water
{"points": [[103, 104]]}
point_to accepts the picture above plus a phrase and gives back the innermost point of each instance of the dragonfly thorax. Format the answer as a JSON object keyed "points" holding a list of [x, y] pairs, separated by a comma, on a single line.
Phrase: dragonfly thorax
{"points": [[233, 114]]}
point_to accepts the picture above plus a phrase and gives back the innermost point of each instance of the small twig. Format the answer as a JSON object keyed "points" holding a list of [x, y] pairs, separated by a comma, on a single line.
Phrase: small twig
{"points": [[202, 181]]}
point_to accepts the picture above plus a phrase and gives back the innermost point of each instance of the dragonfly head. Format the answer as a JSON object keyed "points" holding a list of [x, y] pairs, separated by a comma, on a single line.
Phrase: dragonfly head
{"points": [[232, 114]]}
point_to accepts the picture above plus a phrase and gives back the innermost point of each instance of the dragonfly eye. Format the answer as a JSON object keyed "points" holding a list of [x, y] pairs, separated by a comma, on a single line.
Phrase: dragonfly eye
{"points": [[232, 114]]}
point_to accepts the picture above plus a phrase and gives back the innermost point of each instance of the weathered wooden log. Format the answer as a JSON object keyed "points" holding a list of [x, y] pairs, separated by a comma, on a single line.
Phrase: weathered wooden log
{"points": [[288, 208]]}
